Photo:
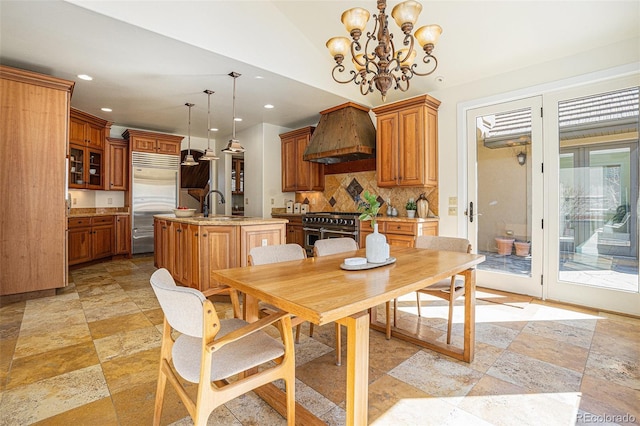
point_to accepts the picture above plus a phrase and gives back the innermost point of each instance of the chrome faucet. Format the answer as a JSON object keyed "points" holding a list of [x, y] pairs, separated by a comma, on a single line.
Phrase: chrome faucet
{"points": [[205, 205]]}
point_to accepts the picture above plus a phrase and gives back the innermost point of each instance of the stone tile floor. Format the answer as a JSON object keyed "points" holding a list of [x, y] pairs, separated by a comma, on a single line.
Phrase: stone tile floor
{"points": [[89, 356]]}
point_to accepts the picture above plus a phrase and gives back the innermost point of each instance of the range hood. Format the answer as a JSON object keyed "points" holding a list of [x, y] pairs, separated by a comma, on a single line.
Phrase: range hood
{"points": [[344, 133]]}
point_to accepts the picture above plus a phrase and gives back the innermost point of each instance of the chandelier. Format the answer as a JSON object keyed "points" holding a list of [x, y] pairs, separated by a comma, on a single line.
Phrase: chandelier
{"points": [[209, 154], [234, 146], [380, 64], [188, 159]]}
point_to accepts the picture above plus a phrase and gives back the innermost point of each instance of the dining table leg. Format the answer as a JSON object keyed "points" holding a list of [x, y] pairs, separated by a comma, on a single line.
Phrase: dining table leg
{"points": [[468, 351], [357, 367]]}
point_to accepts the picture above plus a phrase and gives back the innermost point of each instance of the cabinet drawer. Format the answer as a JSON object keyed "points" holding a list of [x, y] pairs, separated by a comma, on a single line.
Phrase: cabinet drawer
{"points": [[102, 220], [79, 222], [406, 228]]}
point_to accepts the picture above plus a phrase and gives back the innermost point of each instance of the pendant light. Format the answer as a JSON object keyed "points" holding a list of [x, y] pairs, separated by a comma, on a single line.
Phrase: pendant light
{"points": [[209, 154], [188, 160], [234, 147]]}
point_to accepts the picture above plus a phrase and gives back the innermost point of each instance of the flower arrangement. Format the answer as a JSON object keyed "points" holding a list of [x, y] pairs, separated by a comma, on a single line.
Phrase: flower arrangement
{"points": [[411, 205], [369, 207]]}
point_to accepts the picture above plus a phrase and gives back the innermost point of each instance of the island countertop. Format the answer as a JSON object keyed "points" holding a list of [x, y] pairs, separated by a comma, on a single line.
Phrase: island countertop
{"points": [[220, 220]]}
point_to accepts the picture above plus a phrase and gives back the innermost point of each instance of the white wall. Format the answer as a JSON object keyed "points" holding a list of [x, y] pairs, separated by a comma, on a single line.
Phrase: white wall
{"points": [[81, 198], [513, 85]]}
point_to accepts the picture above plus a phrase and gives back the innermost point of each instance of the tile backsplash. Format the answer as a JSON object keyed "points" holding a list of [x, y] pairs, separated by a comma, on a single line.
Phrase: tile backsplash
{"points": [[339, 189]]}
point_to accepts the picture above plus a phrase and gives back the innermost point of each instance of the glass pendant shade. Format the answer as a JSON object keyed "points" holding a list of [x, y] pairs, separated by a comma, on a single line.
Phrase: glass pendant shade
{"points": [[355, 60], [406, 12], [407, 61], [338, 46], [355, 19], [233, 147], [209, 154], [429, 34], [189, 161]]}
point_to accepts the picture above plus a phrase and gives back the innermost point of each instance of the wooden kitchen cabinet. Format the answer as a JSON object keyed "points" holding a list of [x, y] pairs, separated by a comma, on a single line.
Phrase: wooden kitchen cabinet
{"points": [[116, 165], [219, 249], [259, 235], [157, 143], [297, 174], [87, 130], [294, 229], [90, 238], [33, 225], [407, 143], [123, 235], [86, 167], [161, 244], [399, 232]]}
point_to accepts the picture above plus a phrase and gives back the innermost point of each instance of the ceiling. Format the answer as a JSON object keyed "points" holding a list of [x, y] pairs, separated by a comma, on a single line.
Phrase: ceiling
{"points": [[149, 58]]}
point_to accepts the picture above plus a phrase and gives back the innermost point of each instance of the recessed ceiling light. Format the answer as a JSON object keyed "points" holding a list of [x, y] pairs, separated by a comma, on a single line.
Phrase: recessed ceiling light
{"points": [[106, 109], [85, 77], [213, 129], [269, 106], [237, 119], [259, 77]]}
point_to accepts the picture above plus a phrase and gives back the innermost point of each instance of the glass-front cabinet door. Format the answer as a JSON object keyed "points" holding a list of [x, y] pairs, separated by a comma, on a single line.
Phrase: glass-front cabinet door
{"points": [[86, 168], [76, 167]]}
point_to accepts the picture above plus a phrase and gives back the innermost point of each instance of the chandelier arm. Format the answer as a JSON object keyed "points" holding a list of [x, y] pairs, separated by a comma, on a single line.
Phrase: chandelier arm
{"points": [[427, 59], [401, 79], [341, 68], [355, 47]]}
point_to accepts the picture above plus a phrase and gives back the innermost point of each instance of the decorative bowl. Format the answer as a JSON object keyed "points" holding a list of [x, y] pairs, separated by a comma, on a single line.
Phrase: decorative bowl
{"points": [[184, 212]]}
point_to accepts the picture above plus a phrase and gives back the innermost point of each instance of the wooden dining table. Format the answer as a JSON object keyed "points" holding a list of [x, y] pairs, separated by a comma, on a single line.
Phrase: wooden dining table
{"points": [[320, 291]]}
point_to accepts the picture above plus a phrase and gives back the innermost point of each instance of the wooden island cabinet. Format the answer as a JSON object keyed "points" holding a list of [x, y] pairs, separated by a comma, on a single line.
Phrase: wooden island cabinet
{"points": [[193, 248]]}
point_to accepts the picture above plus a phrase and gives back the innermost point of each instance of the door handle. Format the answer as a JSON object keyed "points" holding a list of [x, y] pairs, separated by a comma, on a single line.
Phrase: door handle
{"points": [[469, 212]]}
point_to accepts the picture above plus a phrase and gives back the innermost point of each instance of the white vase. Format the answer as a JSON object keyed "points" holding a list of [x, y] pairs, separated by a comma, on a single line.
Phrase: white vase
{"points": [[377, 248]]}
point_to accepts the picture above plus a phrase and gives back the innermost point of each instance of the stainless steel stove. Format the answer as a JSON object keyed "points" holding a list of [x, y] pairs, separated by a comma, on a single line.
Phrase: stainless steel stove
{"points": [[323, 225]]}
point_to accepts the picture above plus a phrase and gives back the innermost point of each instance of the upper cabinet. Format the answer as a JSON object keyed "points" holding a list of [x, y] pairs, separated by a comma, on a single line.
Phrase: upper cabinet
{"points": [[87, 135], [157, 143], [297, 174], [117, 165], [87, 130], [407, 143]]}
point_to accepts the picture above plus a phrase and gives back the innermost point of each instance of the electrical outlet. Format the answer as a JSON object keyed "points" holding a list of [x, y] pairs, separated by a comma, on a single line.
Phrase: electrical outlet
{"points": [[453, 211], [264, 242], [246, 201], [75, 201], [273, 201], [453, 201], [109, 200]]}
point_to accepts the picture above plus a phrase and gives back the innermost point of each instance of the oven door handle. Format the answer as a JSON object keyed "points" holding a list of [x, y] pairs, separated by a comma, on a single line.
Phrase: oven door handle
{"points": [[333, 231], [312, 229]]}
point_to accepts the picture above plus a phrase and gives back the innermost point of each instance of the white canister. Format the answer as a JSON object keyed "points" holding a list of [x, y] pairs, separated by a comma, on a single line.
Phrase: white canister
{"points": [[289, 206], [296, 208], [304, 208]]}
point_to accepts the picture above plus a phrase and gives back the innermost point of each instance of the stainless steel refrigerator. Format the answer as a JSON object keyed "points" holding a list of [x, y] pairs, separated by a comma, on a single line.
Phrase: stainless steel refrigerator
{"points": [[155, 189]]}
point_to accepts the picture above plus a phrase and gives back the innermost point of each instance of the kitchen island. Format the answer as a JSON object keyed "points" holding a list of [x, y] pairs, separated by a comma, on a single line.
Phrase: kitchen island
{"points": [[192, 248]]}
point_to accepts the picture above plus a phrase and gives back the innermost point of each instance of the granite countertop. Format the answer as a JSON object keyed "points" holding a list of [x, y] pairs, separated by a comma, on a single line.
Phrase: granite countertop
{"points": [[220, 220], [81, 213]]}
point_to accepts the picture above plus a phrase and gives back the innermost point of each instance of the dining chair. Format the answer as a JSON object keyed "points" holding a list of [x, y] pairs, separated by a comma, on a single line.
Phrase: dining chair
{"points": [[449, 288], [209, 351], [274, 254], [326, 248]]}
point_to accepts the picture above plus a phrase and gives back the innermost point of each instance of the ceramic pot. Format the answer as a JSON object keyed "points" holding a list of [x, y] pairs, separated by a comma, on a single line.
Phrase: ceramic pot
{"points": [[505, 245], [411, 213], [522, 248], [377, 248]]}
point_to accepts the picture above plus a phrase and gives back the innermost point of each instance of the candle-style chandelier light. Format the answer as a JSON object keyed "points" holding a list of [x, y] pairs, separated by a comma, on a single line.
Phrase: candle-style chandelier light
{"points": [[380, 64]]}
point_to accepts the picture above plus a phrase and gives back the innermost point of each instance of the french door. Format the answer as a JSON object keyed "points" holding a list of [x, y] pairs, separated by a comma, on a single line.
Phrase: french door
{"points": [[505, 196], [591, 174]]}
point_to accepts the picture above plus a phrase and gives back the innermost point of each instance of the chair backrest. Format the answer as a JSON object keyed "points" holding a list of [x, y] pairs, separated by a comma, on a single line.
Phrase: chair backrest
{"points": [[276, 253], [182, 306], [443, 243], [334, 246]]}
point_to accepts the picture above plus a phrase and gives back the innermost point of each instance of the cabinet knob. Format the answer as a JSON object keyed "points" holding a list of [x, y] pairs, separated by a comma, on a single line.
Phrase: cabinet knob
{"points": [[204, 235]]}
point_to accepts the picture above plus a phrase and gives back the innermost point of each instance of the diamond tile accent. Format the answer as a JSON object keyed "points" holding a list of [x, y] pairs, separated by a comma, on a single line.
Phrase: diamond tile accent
{"points": [[332, 201], [354, 189]]}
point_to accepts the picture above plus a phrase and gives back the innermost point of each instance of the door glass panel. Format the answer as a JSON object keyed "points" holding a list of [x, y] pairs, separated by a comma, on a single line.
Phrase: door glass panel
{"points": [[598, 190], [504, 191], [76, 166]]}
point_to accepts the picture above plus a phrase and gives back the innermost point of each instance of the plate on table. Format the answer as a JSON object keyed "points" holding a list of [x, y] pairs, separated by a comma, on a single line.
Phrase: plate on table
{"points": [[367, 265]]}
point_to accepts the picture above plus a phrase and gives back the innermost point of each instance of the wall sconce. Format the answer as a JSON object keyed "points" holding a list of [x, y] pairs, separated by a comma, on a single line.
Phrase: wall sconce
{"points": [[522, 158]]}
